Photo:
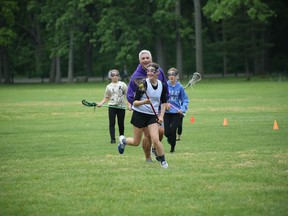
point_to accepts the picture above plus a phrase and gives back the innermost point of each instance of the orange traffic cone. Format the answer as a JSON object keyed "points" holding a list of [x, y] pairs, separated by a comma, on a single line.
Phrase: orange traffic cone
{"points": [[225, 122], [275, 126], [192, 119]]}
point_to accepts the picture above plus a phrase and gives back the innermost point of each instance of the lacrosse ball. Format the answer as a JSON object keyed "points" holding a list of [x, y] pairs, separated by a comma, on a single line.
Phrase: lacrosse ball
{"points": [[141, 86]]}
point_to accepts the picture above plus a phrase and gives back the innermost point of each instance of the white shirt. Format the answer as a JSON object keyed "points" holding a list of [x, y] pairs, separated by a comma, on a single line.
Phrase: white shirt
{"points": [[116, 92], [154, 95]]}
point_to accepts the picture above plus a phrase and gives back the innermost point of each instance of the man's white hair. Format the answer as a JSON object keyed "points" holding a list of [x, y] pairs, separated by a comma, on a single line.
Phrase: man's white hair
{"points": [[142, 52]]}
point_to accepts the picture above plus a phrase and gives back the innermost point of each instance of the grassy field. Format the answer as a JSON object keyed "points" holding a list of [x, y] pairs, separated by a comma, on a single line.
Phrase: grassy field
{"points": [[56, 157]]}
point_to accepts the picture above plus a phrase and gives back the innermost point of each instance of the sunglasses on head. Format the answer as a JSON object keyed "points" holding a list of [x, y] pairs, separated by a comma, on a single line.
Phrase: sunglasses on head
{"points": [[153, 70], [172, 74]]}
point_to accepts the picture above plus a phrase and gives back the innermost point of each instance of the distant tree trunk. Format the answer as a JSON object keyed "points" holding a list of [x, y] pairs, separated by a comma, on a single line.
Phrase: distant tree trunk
{"points": [[160, 52], [6, 72], [38, 63], [256, 64], [198, 37], [38, 52], [52, 70], [179, 53], [225, 59], [58, 70], [70, 58], [1, 64], [263, 62], [255, 56], [264, 59], [247, 68], [89, 58]]}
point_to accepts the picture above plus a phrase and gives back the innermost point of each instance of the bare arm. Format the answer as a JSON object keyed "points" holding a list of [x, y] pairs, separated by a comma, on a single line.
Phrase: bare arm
{"points": [[141, 102], [163, 109], [103, 101]]}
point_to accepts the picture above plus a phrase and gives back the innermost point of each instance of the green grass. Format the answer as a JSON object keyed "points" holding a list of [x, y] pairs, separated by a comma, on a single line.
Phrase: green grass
{"points": [[56, 159]]}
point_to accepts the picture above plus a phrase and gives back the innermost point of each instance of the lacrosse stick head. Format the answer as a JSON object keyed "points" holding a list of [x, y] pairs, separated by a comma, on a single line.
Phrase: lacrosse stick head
{"points": [[195, 78], [88, 104], [139, 81]]}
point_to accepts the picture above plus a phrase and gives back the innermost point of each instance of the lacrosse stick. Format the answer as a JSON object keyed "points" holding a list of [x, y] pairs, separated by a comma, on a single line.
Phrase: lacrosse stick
{"points": [[93, 104], [176, 109], [195, 78], [140, 83]]}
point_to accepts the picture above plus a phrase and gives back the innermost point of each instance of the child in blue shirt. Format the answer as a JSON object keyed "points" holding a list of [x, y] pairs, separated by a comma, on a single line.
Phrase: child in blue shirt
{"points": [[176, 107]]}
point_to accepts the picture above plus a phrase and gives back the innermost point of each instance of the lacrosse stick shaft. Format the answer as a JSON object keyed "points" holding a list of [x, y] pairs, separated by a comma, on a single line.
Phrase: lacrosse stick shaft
{"points": [[139, 83], [116, 107], [152, 106], [176, 108], [93, 104]]}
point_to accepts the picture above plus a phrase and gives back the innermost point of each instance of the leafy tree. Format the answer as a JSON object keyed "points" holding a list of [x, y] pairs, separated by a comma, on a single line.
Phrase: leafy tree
{"points": [[170, 29], [243, 25], [7, 35], [56, 21], [118, 30], [88, 37], [198, 37], [179, 51], [34, 33]]}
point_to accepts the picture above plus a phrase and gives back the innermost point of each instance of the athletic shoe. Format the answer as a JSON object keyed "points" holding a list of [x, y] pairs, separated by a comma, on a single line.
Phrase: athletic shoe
{"points": [[121, 145], [149, 161], [113, 141], [164, 164]]}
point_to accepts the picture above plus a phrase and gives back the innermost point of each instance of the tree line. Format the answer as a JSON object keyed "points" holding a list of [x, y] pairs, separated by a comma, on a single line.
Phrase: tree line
{"points": [[69, 38]]}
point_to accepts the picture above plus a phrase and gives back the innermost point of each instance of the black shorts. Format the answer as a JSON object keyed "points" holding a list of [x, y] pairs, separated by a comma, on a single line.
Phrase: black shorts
{"points": [[142, 120]]}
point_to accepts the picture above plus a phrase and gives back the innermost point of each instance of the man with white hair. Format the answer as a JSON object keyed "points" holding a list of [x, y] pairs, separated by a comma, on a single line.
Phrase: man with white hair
{"points": [[145, 58]]}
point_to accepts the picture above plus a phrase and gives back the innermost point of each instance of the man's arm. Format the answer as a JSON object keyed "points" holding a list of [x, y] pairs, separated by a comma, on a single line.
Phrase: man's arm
{"points": [[131, 90], [162, 77]]}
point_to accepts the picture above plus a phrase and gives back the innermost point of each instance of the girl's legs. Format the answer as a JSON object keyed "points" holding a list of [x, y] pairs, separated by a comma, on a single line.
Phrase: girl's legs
{"points": [[180, 127], [167, 123], [173, 129], [146, 144], [120, 121], [112, 116], [161, 132], [135, 141], [154, 133]]}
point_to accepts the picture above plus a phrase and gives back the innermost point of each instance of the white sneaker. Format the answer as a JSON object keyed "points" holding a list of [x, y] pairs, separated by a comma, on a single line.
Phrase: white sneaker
{"points": [[121, 145], [164, 164], [121, 138]]}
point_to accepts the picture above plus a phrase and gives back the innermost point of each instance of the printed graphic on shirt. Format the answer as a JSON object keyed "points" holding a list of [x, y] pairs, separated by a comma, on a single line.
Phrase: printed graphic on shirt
{"points": [[116, 92], [174, 95]]}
